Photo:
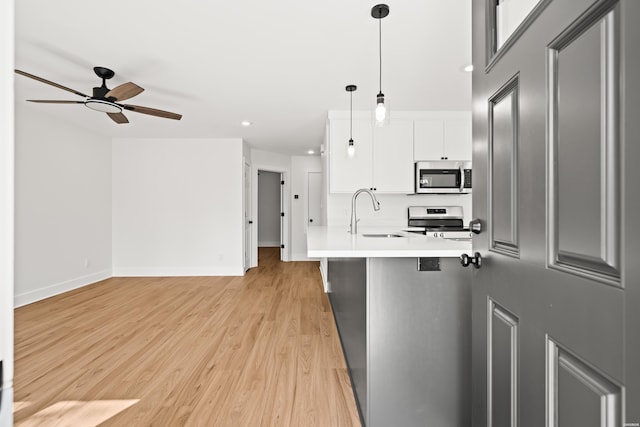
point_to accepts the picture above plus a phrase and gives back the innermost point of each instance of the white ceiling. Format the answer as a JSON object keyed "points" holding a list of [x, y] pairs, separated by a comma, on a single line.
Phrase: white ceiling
{"points": [[282, 64]]}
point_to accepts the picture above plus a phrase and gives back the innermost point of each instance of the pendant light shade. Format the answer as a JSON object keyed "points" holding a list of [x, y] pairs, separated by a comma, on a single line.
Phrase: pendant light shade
{"points": [[351, 148], [378, 12]]}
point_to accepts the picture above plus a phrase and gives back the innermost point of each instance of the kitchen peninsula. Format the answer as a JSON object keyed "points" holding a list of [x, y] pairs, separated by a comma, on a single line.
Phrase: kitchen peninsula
{"points": [[402, 304]]}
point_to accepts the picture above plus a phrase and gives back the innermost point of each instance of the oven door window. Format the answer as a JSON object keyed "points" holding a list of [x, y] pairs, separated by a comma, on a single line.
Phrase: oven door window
{"points": [[439, 178]]}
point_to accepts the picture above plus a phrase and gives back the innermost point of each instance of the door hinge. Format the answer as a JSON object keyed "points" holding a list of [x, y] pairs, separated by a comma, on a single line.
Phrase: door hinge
{"points": [[282, 246], [281, 213], [281, 182], [1, 379]]}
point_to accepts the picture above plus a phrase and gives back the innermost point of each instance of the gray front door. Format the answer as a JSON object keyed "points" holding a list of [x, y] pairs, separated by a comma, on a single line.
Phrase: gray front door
{"points": [[556, 130]]}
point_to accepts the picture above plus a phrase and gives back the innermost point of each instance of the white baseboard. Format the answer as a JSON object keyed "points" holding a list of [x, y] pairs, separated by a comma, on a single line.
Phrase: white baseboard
{"points": [[268, 244], [176, 271], [58, 288], [302, 257]]}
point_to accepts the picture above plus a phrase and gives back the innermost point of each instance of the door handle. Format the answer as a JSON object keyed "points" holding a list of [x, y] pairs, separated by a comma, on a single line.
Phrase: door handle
{"points": [[475, 226], [476, 260], [250, 222], [310, 220], [461, 179]]}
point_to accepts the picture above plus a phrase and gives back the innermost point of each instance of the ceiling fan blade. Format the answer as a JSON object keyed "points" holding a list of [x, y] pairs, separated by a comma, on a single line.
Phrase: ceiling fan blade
{"points": [[118, 118], [40, 79], [152, 112], [124, 91], [47, 101]]}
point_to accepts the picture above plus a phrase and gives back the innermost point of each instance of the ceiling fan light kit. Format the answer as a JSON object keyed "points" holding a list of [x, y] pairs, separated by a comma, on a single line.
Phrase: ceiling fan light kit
{"points": [[103, 106], [105, 100], [379, 12]]}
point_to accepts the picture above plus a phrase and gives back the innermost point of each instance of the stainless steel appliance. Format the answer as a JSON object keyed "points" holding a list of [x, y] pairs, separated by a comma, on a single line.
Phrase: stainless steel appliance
{"points": [[443, 176], [445, 222]]}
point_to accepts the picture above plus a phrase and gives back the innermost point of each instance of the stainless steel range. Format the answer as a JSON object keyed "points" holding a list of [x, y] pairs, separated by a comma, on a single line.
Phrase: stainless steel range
{"points": [[445, 222]]}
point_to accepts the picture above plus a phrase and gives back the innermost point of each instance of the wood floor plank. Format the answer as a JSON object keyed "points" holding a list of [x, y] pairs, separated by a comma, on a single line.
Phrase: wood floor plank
{"points": [[258, 350]]}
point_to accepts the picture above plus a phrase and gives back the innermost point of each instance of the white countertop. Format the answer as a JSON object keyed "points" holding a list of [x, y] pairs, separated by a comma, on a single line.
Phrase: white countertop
{"points": [[336, 242]]}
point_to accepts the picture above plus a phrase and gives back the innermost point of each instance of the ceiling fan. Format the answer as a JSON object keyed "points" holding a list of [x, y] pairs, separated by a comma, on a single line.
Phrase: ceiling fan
{"points": [[104, 99]]}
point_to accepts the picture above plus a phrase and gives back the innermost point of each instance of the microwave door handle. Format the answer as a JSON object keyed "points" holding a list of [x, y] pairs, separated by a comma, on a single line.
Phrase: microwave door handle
{"points": [[461, 179]]}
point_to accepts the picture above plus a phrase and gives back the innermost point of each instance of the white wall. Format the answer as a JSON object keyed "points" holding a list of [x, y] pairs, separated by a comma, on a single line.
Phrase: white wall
{"points": [[63, 206], [300, 168], [268, 209], [177, 207], [6, 207]]}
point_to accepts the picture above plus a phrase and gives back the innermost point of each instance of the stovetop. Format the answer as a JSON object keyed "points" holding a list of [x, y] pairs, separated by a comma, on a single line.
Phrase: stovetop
{"points": [[445, 222]]}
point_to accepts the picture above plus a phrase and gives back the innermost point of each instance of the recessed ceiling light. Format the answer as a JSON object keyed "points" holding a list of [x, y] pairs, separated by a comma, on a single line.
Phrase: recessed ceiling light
{"points": [[246, 123], [311, 152], [469, 68]]}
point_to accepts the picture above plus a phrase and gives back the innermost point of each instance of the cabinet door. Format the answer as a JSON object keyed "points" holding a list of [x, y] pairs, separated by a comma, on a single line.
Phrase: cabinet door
{"points": [[457, 139], [347, 174], [428, 143], [393, 157]]}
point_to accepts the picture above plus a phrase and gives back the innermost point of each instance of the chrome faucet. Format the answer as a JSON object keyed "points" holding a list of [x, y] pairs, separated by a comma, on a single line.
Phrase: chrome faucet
{"points": [[353, 227]]}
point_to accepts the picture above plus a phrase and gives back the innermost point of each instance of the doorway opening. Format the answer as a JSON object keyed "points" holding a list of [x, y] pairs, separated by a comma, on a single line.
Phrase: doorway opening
{"points": [[271, 221]]}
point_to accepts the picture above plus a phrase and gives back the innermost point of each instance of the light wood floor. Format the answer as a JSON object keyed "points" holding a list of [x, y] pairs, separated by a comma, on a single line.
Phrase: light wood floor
{"points": [[240, 351]]}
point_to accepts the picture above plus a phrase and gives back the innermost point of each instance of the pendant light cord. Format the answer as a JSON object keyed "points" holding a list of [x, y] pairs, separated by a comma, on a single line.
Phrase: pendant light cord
{"points": [[351, 116], [380, 50]]}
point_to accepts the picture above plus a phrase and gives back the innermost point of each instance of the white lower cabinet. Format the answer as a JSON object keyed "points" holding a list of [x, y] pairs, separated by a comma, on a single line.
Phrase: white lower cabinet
{"points": [[383, 158]]}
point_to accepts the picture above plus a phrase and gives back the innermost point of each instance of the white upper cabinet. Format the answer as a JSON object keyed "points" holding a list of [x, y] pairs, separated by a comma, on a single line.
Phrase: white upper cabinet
{"points": [[428, 140], [393, 157], [457, 139], [440, 139], [384, 156], [347, 174], [383, 159]]}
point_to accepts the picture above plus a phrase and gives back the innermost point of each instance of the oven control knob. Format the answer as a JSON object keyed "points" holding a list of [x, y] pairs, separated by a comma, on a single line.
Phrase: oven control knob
{"points": [[441, 234], [476, 260], [475, 226]]}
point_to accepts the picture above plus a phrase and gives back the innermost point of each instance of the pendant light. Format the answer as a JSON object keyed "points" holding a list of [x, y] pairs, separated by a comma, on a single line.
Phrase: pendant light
{"points": [[381, 113], [351, 149]]}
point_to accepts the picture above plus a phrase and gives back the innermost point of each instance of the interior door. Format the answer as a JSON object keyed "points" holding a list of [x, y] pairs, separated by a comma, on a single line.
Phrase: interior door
{"points": [[556, 135], [247, 217], [314, 198], [283, 248]]}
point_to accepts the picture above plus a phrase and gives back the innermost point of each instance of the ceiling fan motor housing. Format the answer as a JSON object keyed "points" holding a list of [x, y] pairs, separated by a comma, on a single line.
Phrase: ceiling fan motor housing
{"points": [[105, 74], [100, 92]]}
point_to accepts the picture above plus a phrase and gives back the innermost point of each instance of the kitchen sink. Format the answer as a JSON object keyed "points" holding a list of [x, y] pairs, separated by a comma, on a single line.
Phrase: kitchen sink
{"points": [[388, 235]]}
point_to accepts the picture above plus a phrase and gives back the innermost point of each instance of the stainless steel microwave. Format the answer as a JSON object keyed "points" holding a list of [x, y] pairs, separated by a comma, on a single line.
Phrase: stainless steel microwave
{"points": [[443, 176]]}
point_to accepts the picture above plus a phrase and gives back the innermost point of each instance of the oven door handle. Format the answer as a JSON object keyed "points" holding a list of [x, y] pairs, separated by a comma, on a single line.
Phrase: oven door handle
{"points": [[461, 178]]}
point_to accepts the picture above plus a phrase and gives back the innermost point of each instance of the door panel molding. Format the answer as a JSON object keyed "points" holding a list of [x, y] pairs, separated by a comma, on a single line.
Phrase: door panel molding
{"points": [[494, 53], [595, 249], [503, 218], [500, 317], [597, 385]]}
